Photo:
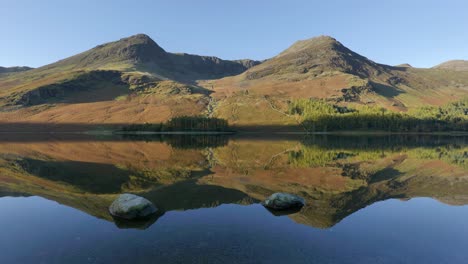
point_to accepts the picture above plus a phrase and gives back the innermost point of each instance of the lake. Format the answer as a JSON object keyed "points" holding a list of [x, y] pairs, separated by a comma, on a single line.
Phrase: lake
{"points": [[369, 199]]}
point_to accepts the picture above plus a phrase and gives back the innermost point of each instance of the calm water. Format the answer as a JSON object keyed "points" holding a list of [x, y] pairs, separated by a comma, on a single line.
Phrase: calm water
{"points": [[369, 199]]}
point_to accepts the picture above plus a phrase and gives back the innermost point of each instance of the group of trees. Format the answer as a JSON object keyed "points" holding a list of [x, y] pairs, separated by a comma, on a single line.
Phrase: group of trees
{"points": [[320, 116], [349, 159], [183, 124]]}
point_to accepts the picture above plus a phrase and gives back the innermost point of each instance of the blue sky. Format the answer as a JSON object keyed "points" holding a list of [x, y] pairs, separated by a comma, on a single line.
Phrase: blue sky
{"points": [[422, 33]]}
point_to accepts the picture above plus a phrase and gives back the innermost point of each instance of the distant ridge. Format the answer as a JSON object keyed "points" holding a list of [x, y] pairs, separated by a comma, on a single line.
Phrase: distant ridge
{"points": [[404, 65], [456, 65], [14, 69]]}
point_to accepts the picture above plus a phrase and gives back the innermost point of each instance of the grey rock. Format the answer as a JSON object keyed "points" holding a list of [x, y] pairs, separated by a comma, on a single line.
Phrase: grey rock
{"points": [[283, 201], [130, 206]]}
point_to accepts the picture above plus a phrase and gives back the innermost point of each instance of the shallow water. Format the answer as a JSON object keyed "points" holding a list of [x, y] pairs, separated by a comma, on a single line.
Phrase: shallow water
{"points": [[369, 199]]}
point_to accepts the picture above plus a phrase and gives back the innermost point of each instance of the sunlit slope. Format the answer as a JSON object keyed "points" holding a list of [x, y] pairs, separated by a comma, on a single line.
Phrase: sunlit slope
{"points": [[324, 68], [132, 80]]}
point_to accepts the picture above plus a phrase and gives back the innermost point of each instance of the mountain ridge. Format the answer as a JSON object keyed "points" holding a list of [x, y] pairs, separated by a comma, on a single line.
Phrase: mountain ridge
{"points": [[134, 80], [317, 55], [140, 52]]}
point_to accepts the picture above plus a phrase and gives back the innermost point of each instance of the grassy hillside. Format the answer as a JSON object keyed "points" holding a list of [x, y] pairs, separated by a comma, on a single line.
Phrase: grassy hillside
{"points": [[134, 80], [323, 68]]}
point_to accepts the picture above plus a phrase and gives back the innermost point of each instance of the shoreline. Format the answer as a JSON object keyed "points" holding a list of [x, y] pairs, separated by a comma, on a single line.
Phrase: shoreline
{"points": [[143, 133], [173, 133], [457, 133]]}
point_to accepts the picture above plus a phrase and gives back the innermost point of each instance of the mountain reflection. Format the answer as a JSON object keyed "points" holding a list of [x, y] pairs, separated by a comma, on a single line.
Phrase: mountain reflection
{"points": [[337, 175]]}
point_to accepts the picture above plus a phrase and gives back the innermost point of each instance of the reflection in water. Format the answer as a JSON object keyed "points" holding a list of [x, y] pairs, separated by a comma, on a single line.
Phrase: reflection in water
{"points": [[139, 223], [184, 141], [336, 175], [209, 189]]}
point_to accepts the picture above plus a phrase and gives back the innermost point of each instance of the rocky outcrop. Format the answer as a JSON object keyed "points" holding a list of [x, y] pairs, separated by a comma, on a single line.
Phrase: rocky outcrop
{"points": [[395, 80], [283, 201], [353, 94], [130, 206], [207, 66]]}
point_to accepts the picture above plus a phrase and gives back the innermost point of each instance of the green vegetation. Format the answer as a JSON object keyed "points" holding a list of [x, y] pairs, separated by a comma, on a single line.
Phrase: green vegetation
{"points": [[183, 124], [320, 116], [314, 156]]}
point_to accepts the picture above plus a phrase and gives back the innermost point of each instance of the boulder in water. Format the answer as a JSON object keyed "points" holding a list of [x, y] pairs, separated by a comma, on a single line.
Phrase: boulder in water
{"points": [[283, 201], [130, 206]]}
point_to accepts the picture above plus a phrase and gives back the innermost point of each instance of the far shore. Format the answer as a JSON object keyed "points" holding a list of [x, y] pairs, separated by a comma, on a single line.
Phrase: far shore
{"points": [[451, 133], [173, 132], [240, 133]]}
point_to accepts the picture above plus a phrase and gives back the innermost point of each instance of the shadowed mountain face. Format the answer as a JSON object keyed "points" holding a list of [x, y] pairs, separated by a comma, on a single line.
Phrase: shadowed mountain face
{"points": [[336, 175], [141, 53]]}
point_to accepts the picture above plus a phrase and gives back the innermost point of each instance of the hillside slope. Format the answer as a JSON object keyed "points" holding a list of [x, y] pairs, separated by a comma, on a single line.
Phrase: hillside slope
{"points": [[126, 81], [134, 80], [322, 67], [141, 53]]}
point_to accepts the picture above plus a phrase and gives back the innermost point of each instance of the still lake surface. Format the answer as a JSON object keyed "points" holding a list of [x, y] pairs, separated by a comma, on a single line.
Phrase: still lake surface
{"points": [[380, 199]]}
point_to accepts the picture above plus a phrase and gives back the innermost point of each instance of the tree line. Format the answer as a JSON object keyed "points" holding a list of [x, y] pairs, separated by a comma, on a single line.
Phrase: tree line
{"points": [[320, 116], [183, 124]]}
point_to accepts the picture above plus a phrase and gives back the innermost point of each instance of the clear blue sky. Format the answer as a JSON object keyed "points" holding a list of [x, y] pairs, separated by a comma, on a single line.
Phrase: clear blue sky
{"points": [[420, 32]]}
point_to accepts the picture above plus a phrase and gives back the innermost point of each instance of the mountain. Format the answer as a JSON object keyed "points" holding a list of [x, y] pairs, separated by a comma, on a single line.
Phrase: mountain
{"points": [[456, 65], [322, 67], [122, 53], [14, 69], [141, 53], [312, 57], [134, 80]]}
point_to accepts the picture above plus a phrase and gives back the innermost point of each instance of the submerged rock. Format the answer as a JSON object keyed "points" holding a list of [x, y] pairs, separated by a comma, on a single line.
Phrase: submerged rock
{"points": [[283, 201], [130, 206], [141, 224]]}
